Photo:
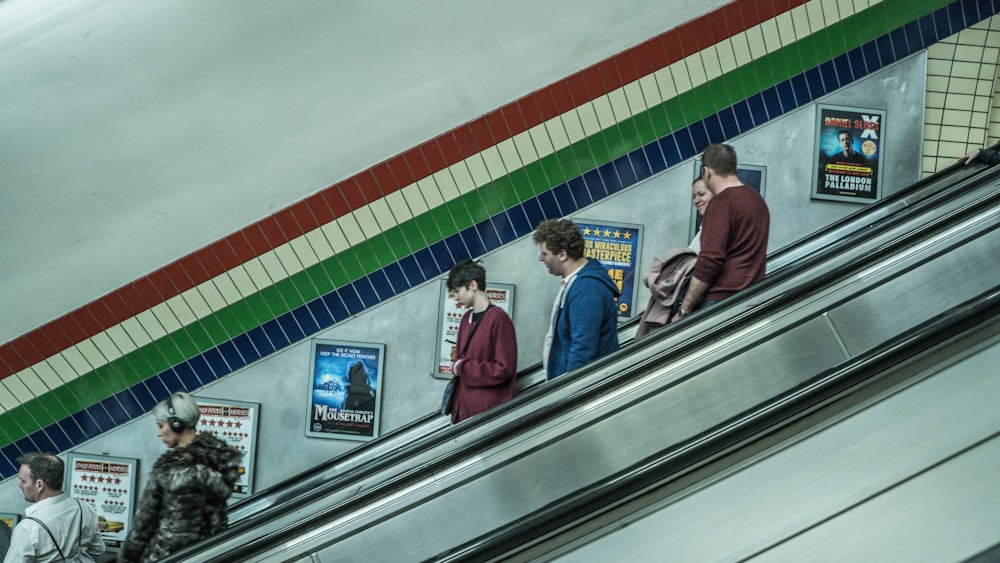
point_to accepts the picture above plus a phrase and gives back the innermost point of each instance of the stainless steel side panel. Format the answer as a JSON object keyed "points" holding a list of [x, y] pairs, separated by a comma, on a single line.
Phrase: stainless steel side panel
{"points": [[904, 477]]}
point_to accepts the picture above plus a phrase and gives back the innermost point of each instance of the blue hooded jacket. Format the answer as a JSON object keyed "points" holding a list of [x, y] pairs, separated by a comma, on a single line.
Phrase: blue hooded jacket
{"points": [[586, 326]]}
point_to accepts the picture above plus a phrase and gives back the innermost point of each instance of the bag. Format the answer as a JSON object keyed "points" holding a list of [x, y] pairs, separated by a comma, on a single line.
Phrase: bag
{"points": [[667, 281], [448, 400]]}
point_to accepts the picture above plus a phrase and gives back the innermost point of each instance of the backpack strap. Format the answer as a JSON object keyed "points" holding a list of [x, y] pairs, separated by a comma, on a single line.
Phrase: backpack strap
{"points": [[49, 532]]}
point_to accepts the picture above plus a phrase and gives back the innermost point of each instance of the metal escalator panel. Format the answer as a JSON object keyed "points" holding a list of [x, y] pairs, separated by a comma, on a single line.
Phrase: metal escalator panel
{"points": [[874, 461], [653, 396]]}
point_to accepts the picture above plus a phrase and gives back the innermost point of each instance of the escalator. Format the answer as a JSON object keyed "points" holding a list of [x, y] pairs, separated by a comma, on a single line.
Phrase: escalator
{"points": [[896, 462], [507, 477]]}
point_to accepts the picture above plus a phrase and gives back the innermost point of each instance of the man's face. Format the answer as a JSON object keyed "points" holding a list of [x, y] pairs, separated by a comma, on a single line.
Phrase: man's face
{"points": [[27, 484], [465, 296], [554, 262], [846, 142]]}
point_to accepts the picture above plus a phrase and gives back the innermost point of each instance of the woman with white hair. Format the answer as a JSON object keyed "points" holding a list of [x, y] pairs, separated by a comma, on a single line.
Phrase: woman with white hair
{"points": [[185, 499]]}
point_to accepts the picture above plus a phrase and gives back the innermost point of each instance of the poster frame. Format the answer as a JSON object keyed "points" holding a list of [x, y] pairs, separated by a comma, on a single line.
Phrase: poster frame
{"points": [[10, 518], [314, 429], [450, 313], [248, 464], [860, 135], [113, 540], [625, 308]]}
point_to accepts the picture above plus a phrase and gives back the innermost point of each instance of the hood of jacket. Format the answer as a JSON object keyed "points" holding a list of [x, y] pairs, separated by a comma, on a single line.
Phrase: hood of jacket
{"points": [[593, 269]]}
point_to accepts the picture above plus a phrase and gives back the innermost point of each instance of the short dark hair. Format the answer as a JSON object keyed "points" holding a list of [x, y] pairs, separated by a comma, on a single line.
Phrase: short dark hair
{"points": [[559, 235], [465, 272], [845, 132], [720, 158], [45, 466]]}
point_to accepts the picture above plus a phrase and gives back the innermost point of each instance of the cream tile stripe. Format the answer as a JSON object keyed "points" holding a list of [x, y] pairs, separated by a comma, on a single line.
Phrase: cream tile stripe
{"points": [[430, 192]]}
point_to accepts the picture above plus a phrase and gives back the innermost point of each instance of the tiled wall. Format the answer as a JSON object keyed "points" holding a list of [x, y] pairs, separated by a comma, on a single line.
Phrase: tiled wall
{"points": [[469, 191], [962, 111]]}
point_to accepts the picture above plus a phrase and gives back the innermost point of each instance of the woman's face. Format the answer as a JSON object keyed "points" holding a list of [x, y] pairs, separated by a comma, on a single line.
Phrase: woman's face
{"points": [[166, 434], [700, 196]]}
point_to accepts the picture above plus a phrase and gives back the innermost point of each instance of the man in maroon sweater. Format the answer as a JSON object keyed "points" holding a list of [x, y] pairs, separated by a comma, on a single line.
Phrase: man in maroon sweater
{"points": [[734, 234]]}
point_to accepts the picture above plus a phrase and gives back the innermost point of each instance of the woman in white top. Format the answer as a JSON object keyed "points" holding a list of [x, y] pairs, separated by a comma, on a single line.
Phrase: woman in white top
{"points": [[699, 197]]}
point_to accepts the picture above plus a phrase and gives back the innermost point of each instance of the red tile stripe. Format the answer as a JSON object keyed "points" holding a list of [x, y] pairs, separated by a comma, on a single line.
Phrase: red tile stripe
{"points": [[385, 178]]}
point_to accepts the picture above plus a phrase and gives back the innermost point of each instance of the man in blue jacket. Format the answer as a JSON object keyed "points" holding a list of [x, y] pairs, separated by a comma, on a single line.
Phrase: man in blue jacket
{"points": [[584, 321]]}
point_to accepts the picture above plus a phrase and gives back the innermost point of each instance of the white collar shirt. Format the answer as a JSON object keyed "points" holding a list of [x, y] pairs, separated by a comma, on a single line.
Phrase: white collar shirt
{"points": [[74, 525], [556, 305]]}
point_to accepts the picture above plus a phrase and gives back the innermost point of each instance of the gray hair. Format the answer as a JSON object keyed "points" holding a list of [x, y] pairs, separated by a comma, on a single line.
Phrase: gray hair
{"points": [[185, 408]]}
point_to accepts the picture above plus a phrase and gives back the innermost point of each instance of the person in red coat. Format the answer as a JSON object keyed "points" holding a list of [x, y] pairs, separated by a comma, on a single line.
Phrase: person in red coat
{"points": [[486, 349]]}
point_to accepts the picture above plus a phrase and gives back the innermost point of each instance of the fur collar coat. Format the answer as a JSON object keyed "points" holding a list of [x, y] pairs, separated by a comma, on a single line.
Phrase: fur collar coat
{"points": [[185, 499]]}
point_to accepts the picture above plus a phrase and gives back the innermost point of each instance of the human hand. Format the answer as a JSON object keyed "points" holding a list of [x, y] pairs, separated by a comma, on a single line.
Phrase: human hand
{"points": [[969, 157]]}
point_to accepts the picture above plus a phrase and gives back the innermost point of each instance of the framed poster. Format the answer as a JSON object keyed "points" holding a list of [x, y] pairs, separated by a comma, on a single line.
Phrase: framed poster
{"points": [[450, 314], [10, 519], [345, 390], [107, 484], [235, 423], [750, 174], [849, 151], [616, 245]]}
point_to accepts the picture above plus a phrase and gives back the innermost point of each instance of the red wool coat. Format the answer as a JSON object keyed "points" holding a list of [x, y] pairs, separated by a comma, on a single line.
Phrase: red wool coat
{"points": [[487, 370]]}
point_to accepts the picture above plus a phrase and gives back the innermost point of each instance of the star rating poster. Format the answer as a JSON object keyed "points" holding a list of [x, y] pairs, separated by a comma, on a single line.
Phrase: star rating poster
{"points": [[850, 142], [345, 390], [107, 484], [235, 423], [616, 246], [499, 294]]}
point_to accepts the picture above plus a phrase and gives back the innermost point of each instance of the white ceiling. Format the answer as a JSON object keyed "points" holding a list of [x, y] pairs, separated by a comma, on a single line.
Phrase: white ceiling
{"points": [[133, 133]]}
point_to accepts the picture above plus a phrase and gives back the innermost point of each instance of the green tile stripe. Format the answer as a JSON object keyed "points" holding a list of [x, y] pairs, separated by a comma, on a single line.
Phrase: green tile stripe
{"points": [[458, 214]]}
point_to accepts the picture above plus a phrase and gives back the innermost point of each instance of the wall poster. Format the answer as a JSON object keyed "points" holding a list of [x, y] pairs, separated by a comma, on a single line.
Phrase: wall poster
{"points": [[345, 390], [616, 245], [750, 174], [10, 519], [849, 142], [107, 484], [235, 423], [450, 314]]}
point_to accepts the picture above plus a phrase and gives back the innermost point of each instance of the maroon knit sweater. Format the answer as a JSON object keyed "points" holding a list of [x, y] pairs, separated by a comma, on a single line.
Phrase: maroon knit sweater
{"points": [[733, 242], [487, 371]]}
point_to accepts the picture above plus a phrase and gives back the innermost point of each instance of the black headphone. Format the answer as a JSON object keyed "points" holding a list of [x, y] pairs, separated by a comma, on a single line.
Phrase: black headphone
{"points": [[176, 424]]}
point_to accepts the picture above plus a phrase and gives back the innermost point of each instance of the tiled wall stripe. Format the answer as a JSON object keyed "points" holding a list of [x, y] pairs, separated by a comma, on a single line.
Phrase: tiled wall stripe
{"points": [[364, 188], [562, 199], [179, 309], [383, 179], [585, 156]]}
